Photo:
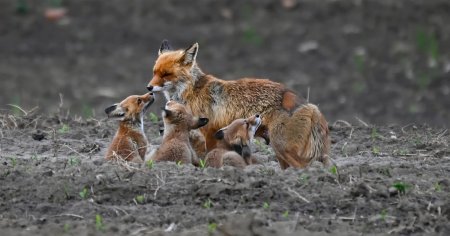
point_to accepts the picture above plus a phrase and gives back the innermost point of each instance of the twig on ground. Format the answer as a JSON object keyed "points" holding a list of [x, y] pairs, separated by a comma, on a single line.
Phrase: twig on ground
{"points": [[160, 182], [75, 151], [361, 121], [298, 195], [69, 214], [343, 122]]}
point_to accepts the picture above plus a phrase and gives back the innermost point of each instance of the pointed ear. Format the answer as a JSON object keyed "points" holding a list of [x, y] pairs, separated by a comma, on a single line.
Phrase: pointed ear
{"points": [[111, 108], [165, 47], [190, 54], [219, 134]]}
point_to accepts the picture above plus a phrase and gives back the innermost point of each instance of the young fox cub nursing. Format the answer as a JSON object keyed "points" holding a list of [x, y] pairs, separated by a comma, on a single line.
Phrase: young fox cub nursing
{"points": [[233, 144], [130, 142], [178, 121], [299, 131]]}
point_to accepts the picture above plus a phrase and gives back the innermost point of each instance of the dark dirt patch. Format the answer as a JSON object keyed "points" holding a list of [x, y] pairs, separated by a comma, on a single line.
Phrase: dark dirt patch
{"points": [[59, 184], [384, 61]]}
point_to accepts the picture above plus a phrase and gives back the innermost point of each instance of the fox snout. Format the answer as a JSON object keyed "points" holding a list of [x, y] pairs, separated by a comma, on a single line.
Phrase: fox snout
{"points": [[150, 88]]}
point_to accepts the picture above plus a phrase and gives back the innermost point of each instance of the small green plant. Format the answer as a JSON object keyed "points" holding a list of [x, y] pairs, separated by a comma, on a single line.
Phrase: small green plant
{"points": [[64, 129], [212, 227], [437, 187], [374, 134], [333, 170], [84, 193], [266, 206], [153, 118], [73, 161], [14, 162], [66, 228], [286, 214], [207, 204], [202, 164], [87, 111], [66, 192], [359, 60], [149, 164], [251, 36], [401, 187], [22, 7], [264, 148], [376, 151], [99, 225], [303, 178], [383, 214], [140, 199], [427, 43]]}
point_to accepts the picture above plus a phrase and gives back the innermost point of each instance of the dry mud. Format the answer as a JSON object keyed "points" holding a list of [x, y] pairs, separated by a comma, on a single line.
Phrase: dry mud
{"points": [[62, 186]]}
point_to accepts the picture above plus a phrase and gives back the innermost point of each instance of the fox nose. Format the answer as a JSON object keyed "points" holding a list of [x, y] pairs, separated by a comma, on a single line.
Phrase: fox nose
{"points": [[257, 115], [150, 88]]}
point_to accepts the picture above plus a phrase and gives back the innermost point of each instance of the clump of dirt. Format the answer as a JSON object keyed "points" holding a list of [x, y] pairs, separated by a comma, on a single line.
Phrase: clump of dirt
{"points": [[388, 180]]}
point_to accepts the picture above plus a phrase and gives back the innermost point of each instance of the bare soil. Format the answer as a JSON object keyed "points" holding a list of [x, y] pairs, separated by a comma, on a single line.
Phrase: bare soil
{"points": [[389, 180]]}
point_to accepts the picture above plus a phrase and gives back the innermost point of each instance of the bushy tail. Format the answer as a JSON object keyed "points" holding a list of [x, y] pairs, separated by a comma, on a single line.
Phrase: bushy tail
{"points": [[317, 145]]}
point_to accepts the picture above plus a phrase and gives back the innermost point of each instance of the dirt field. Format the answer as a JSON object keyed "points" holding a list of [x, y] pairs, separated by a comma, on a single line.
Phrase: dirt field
{"points": [[389, 180], [378, 69]]}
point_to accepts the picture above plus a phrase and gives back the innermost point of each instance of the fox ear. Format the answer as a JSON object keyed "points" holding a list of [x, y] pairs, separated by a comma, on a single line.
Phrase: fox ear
{"points": [[190, 54], [165, 47], [111, 108], [219, 134]]}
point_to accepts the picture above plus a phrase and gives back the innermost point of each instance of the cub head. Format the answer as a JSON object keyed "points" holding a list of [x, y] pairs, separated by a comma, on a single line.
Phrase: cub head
{"points": [[177, 115], [239, 133], [132, 108], [172, 67]]}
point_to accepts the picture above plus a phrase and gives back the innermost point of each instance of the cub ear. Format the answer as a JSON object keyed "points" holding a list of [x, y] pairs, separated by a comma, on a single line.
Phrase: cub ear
{"points": [[219, 134], [202, 122], [111, 108], [165, 47], [190, 54]]}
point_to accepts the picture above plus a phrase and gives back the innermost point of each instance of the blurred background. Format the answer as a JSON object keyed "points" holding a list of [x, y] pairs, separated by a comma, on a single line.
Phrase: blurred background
{"points": [[383, 61]]}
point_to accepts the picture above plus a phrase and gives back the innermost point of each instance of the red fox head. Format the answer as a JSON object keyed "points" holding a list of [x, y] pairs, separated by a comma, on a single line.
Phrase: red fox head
{"points": [[177, 118], [132, 108], [239, 133], [172, 67]]}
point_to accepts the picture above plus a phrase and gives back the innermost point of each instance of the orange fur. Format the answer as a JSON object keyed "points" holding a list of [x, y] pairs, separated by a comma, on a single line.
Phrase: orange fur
{"points": [[175, 145], [129, 142], [178, 76]]}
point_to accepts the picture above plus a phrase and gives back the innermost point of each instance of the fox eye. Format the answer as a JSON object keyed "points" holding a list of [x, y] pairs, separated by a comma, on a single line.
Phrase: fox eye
{"points": [[165, 74]]}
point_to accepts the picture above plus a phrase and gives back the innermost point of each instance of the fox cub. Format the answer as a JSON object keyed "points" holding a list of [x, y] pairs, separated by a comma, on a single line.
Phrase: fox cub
{"points": [[176, 147], [233, 144], [129, 142], [177, 75]]}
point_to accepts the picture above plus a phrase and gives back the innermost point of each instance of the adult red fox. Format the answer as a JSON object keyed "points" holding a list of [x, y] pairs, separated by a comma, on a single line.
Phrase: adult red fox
{"points": [[233, 146], [130, 142], [175, 146], [178, 76]]}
